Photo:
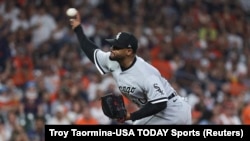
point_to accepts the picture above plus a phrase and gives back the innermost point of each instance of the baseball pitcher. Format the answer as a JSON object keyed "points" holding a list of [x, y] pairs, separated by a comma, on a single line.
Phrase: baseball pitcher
{"points": [[140, 82]]}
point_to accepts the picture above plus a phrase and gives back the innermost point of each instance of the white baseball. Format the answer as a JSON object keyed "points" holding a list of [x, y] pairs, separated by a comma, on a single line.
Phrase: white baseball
{"points": [[71, 12]]}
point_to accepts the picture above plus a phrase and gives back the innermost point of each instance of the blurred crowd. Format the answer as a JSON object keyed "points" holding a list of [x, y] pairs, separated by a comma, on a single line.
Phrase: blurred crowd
{"points": [[201, 46]]}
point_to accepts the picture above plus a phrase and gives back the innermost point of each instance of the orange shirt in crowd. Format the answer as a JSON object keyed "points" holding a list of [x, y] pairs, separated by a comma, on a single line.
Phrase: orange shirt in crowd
{"points": [[160, 63], [23, 70], [236, 88], [86, 121], [246, 115], [164, 67]]}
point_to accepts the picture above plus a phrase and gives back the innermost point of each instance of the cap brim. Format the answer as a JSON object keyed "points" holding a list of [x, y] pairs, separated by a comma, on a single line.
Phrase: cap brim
{"points": [[110, 41], [113, 42]]}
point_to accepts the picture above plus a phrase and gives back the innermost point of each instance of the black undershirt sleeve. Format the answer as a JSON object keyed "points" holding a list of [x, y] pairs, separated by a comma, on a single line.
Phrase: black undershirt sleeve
{"points": [[148, 110], [86, 45]]}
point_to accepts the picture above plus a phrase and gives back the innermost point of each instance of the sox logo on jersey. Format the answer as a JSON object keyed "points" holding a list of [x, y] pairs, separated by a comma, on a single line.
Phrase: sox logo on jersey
{"points": [[158, 89]]}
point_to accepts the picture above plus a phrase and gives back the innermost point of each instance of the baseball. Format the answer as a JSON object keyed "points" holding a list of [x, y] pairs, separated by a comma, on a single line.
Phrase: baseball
{"points": [[71, 12]]}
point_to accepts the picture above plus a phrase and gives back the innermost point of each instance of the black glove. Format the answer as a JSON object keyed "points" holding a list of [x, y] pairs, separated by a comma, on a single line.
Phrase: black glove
{"points": [[113, 106]]}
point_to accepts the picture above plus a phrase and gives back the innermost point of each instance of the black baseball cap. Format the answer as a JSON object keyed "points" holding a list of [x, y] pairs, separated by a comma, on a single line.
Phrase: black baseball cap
{"points": [[124, 40]]}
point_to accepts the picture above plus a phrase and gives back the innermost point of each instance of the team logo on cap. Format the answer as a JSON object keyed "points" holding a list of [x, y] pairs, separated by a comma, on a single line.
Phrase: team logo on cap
{"points": [[118, 35]]}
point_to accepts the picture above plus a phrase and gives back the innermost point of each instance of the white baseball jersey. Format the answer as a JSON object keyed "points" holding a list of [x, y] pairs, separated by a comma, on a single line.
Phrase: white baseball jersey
{"points": [[143, 83]]}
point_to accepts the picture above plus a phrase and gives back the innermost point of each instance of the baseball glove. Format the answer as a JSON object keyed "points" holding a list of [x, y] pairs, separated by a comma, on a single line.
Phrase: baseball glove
{"points": [[113, 106]]}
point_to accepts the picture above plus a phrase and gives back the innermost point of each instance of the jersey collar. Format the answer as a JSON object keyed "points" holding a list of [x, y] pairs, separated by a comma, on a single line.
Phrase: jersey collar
{"points": [[124, 69]]}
